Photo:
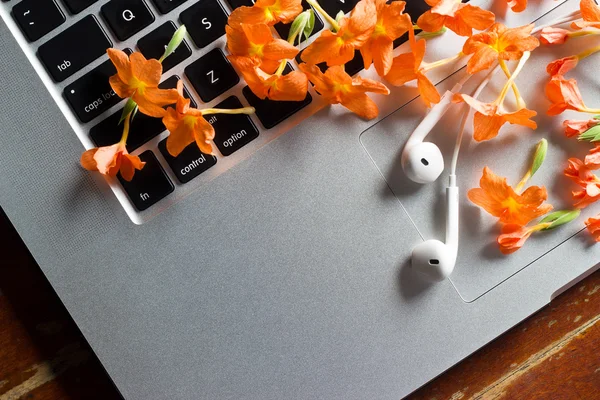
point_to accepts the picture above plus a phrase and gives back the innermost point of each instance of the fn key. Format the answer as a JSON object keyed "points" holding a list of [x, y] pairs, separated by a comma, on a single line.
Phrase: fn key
{"points": [[149, 185]]}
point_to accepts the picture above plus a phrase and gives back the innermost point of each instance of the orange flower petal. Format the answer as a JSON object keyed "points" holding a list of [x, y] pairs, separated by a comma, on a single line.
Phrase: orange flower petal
{"points": [[290, 87], [129, 164], [428, 92], [151, 101], [553, 35], [593, 226], [590, 13], [575, 128], [122, 89], [517, 5], [513, 237], [121, 63], [562, 66], [361, 105], [147, 71], [563, 95], [87, 160], [592, 160], [500, 200]]}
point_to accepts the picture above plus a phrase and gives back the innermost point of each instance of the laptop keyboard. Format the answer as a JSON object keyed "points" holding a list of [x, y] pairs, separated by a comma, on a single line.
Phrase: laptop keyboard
{"points": [[71, 38]]}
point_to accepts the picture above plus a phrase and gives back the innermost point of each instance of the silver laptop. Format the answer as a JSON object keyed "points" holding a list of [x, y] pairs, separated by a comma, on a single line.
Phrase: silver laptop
{"points": [[280, 268]]}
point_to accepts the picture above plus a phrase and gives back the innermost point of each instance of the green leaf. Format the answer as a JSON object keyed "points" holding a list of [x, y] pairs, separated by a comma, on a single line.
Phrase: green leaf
{"points": [[301, 25], [339, 16], [591, 135], [310, 25], [540, 155], [559, 218], [130, 107], [174, 42], [597, 116]]}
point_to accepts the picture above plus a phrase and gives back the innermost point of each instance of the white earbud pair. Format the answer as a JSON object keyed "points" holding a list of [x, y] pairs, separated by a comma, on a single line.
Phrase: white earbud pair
{"points": [[423, 162]]}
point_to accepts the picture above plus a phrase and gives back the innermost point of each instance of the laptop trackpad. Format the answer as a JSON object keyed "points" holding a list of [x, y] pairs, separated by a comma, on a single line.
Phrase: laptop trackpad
{"points": [[481, 266]]}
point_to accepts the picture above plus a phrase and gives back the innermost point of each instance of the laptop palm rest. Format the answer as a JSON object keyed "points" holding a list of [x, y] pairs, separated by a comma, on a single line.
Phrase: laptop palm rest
{"points": [[481, 266]]}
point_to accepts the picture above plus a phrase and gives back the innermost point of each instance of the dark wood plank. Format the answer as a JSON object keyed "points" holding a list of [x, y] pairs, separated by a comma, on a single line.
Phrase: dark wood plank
{"points": [[552, 355]]}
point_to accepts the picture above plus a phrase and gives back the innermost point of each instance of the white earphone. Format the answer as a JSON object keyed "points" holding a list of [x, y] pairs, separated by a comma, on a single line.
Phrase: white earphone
{"points": [[423, 162]]}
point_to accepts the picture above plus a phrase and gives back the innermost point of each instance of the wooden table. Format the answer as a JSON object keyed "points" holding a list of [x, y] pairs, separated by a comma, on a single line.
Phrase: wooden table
{"points": [[555, 354]]}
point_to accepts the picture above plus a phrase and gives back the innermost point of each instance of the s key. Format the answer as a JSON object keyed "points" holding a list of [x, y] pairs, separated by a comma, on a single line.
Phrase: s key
{"points": [[74, 48], [127, 17], [205, 21]]}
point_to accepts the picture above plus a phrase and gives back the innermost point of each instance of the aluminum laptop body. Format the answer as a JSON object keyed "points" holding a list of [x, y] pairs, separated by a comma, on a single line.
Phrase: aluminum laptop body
{"points": [[285, 273]]}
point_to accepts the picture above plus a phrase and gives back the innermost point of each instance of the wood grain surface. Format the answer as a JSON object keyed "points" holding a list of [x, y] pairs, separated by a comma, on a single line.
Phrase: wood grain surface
{"points": [[554, 355]]}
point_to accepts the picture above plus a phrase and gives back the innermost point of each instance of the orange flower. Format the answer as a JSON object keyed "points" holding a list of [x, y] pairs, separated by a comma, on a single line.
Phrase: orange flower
{"points": [[592, 160], [489, 118], [187, 125], [338, 48], [562, 66], [593, 227], [590, 13], [290, 87], [391, 24], [552, 35], [498, 43], [576, 128], [337, 87], [564, 95], [514, 236], [456, 16], [408, 67], [138, 78], [584, 177], [517, 5], [267, 12], [109, 160], [499, 199], [256, 41]]}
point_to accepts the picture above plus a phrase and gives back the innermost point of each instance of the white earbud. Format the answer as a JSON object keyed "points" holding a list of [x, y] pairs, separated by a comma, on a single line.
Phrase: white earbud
{"points": [[423, 162], [433, 258]]}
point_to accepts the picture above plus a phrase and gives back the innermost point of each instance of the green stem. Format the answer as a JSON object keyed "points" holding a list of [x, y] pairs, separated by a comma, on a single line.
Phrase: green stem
{"points": [[324, 14], [126, 129]]}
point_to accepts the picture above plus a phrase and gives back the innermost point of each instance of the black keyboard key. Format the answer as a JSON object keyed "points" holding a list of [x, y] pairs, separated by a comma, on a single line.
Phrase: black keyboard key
{"points": [[77, 6], [74, 48], [232, 132], [332, 7], [190, 163], [355, 65], [127, 17], [238, 3], [205, 21], [284, 29], [352, 67], [149, 185], [37, 17], [165, 6], [142, 129], [271, 113], [171, 83], [212, 75], [153, 46], [91, 95]]}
